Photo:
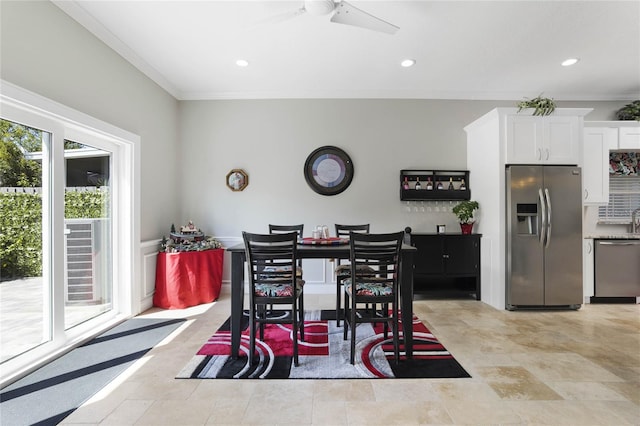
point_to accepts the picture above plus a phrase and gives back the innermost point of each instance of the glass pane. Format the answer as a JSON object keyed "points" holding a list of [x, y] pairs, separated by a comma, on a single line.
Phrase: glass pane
{"points": [[24, 299], [88, 289]]}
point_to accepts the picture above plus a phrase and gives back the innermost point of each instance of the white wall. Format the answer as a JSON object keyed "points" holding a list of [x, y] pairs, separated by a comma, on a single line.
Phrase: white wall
{"points": [[271, 139], [46, 52]]}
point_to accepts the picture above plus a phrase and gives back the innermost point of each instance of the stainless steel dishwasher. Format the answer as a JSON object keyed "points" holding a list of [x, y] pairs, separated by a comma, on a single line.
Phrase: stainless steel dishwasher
{"points": [[617, 268]]}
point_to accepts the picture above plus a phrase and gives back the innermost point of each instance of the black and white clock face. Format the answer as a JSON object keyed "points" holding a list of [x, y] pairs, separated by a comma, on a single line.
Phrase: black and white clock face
{"points": [[328, 170]]}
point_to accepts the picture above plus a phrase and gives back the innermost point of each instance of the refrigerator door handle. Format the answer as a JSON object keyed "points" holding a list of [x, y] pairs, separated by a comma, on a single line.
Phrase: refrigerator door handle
{"points": [[549, 211], [543, 227]]}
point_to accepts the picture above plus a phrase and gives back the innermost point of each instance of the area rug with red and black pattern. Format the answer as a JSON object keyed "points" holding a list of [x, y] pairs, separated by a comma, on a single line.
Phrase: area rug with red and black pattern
{"points": [[323, 354]]}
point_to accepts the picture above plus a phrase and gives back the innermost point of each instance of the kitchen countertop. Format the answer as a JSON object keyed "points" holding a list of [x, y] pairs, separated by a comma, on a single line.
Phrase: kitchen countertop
{"points": [[614, 237]]}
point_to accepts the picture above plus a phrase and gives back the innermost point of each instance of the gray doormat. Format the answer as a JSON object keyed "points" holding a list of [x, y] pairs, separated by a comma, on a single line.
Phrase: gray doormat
{"points": [[51, 393]]}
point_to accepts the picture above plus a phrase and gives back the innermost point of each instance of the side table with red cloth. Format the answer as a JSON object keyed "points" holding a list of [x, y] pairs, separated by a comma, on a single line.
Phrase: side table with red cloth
{"points": [[188, 278]]}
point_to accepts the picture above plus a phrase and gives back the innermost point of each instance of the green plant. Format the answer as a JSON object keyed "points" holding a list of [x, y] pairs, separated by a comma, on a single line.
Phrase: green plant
{"points": [[464, 210], [21, 227], [542, 106], [15, 169], [629, 112], [20, 235], [86, 204]]}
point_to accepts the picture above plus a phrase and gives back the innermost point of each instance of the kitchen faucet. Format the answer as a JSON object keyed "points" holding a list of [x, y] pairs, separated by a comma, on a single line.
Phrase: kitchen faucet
{"points": [[635, 221]]}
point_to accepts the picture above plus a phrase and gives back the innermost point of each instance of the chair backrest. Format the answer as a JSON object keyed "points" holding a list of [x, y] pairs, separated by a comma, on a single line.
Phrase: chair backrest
{"points": [[283, 229], [344, 230], [272, 258], [280, 229], [381, 252]]}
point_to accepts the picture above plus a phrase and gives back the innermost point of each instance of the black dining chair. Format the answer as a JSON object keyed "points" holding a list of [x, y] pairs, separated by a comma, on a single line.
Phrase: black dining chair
{"points": [[280, 229], [343, 268], [272, 261], [381, 252]]}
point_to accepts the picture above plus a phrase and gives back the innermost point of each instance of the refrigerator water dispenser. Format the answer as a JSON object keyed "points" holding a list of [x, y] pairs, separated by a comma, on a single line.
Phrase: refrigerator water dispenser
{"points": [[527, 219]]}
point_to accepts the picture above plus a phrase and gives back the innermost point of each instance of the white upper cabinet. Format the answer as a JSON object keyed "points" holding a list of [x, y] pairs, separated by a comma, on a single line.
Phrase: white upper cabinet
{"points": [[629, 137], [600, 137], [627, 134], [524, 139], [553, 139], [562, 139], [595, 164]]}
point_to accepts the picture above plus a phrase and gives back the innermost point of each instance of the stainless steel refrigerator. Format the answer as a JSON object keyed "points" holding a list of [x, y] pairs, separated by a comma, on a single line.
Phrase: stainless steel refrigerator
{"points": [[544, 237]]}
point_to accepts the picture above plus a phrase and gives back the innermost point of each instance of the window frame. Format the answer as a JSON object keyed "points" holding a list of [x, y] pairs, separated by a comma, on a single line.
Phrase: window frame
{"points": [[61, 122]]}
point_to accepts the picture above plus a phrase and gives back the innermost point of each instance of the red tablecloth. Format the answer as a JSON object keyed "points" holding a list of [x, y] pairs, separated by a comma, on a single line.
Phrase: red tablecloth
{"points": [[188, 278]]}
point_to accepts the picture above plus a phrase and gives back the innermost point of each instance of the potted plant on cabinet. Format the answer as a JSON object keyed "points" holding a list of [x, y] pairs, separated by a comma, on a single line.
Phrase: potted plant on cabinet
{"points": [[464, 211], [540, 105], [629, 112]]}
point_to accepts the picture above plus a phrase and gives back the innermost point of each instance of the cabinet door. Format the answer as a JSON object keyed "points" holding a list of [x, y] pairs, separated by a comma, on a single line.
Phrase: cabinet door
{"points": [[595, 164], [543, 140], [428, 259], [629, 138], [462, 255], [561, 140], [588, 267], [524, 139]]}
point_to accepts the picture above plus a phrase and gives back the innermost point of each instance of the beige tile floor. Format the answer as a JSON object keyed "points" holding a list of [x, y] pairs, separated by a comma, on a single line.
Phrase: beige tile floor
{"points": [[528, 368]]}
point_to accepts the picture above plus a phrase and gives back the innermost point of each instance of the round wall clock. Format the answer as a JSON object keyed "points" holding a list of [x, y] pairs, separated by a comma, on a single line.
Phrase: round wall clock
{"points": [[328, 170]]}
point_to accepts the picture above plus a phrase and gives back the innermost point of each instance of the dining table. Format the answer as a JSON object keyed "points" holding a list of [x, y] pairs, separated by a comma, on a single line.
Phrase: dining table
{"points": [[321, 251]]}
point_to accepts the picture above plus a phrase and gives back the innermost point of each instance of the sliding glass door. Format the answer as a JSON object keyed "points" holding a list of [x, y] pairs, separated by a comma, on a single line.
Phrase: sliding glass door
{"points": [[67, 229], [25, 303], [87, 219]]}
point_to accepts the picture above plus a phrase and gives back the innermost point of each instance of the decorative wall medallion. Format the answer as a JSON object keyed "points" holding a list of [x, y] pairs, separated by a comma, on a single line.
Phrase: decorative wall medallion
{"points": [[237, 180], [328, 170]]}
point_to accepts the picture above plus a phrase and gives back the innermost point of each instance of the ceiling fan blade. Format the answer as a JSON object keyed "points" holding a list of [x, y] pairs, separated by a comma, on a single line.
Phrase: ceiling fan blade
{"points": [[281, 17], [350, 15]]}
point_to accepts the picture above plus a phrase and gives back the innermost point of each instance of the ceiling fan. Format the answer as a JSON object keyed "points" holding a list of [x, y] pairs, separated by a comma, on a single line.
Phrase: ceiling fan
{"points": [[344, 13]]}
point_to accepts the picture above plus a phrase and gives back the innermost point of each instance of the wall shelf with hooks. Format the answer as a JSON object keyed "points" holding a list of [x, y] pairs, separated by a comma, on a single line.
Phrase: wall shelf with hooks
{"points": [[437, 185]]}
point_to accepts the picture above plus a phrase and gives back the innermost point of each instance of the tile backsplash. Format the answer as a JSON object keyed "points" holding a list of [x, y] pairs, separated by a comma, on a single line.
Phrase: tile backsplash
{"points": [[624, 163]]}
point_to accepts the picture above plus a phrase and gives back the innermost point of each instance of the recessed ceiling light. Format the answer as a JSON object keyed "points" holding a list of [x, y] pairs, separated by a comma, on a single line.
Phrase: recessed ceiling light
{"points": [[242, 63], [569, 62], [408, 63]]}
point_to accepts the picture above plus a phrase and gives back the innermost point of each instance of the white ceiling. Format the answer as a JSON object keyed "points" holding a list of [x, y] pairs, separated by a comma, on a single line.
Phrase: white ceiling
{"points": [[464, 49]]}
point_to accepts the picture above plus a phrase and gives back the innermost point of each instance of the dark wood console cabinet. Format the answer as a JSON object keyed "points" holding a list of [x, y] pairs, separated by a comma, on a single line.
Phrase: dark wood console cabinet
{"points": [[446, 263]]}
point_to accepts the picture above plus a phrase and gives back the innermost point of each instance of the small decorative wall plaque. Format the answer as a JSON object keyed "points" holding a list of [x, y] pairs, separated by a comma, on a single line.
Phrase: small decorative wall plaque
{"points": [[237, 180]]}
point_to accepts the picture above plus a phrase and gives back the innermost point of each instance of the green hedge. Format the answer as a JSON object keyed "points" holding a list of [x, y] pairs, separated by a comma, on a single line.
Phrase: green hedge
{"points": [[85, 204], [21, 227], [21, 235]]}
